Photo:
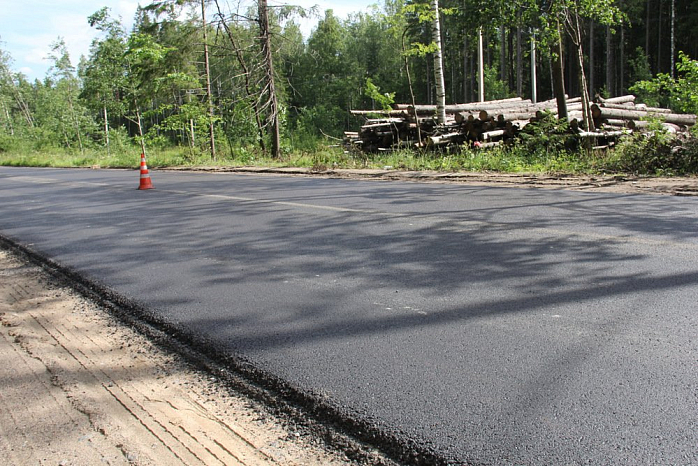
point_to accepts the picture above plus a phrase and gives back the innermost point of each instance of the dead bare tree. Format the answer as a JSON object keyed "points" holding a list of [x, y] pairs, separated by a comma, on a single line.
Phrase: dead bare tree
{"points": [[269, 91], [260, 92], [211, 135], [246, 75]]}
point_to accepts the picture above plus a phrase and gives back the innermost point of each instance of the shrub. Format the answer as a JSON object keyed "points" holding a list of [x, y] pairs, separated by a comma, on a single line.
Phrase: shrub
{"points": [[657, 153], [680, 94]]}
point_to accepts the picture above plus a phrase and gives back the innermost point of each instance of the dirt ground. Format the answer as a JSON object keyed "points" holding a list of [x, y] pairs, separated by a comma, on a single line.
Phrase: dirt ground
{"points": [[79, 388], [621, 184]]}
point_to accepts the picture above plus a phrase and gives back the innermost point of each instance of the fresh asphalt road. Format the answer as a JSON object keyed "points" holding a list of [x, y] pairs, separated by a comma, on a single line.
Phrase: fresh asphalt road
{"points": [[495, 326]]}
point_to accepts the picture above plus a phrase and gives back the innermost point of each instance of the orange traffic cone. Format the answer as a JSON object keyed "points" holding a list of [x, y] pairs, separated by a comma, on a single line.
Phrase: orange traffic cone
{"points": [[145, 177]]}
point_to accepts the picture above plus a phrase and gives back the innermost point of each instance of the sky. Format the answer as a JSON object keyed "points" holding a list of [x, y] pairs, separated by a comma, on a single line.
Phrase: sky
{"points": [[29, 27]]}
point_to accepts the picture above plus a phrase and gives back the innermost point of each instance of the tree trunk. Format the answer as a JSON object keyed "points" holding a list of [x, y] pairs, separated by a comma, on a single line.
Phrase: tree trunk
{"points": [[592, 84], [534, 78], [24, 108], [673, 38], [9, 119], [621, 78], [273, 117], [76, 122], [209, 97], [472, 79], [586, 113], [510, 62], [660, 39], [247, 77], [519, 60], [430, 94], [558, 75], [466, 96], [409, 82], [503, 75], [647, 30], [481, 68], [106, 129], [610, 81], [140, 129], [438, 66], [576, 33]]}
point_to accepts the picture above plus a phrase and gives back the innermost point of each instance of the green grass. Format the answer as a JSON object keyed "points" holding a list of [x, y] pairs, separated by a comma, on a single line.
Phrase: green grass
{"points": [[510, 161], [521, 158]]}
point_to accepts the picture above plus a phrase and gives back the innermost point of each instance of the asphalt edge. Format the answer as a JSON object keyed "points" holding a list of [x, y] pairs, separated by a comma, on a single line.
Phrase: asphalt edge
{"points": [[359, 439]]}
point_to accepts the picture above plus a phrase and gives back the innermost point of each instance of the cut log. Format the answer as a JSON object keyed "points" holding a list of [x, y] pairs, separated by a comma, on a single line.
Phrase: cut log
{"points": [[442, 139], [391, 113], [604, 134], [464, 117], [615, 113], [487, 145], [497, 133], [623, 106], [452, 109], [617, 100], [388, 121], [570, 108], [504, 117], [645, 108], [473, 104]]}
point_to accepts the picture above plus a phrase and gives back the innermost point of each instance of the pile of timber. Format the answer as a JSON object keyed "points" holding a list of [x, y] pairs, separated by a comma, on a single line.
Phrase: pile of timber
{"points": [[484, 124]]}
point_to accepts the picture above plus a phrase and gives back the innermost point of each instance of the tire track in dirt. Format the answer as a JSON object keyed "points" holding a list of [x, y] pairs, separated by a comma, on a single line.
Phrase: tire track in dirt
{"points": [[79, 388]]}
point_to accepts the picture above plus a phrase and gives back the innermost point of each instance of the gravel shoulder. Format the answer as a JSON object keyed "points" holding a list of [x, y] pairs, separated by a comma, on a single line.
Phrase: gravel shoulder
{"points": [[620, 184], [78, 387]]}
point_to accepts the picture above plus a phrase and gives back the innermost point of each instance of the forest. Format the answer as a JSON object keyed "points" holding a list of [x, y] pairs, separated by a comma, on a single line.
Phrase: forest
{"points": [[211, 82]]}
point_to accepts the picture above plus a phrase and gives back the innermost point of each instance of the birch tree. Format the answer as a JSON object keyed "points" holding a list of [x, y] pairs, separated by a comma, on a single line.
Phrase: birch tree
{"points": [[438, 65]]}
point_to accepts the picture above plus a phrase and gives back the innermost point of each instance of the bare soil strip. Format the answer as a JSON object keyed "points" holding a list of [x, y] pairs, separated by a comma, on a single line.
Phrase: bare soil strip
{"points": [[79, 388]]}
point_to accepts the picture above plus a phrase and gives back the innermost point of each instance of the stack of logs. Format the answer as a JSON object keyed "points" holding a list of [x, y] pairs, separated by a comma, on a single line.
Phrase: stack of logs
{"points": [[485, 124]]}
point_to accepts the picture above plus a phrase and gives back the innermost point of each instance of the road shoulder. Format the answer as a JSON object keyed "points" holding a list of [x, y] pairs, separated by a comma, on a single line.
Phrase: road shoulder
{"points": [[78, 387]]}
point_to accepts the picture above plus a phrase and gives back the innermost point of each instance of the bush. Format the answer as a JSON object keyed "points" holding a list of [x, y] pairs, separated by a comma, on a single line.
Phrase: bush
{"points": [[548, 137], [680, 94], [657, 153]]}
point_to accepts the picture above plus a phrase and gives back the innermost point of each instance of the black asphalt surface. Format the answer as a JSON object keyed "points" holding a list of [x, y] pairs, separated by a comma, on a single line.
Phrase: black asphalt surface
{"points": [[493, 325]]}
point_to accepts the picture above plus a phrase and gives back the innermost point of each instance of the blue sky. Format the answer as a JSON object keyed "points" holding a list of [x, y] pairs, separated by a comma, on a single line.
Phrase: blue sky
{"points": [[29, 27]]}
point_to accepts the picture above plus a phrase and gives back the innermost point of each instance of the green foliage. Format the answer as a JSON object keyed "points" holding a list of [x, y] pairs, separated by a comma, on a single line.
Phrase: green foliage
{"points": [[495, 88], [656, 153], [547, 136], [156, 72], [679, 94], [385, 100], [639, 66]]}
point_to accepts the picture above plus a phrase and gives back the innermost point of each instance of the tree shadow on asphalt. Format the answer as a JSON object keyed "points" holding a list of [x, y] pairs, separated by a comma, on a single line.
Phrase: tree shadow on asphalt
{"points": [[439, 246], [297, 277]]}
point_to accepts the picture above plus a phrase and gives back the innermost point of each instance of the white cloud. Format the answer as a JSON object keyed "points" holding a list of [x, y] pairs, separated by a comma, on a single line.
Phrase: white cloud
{"points": [[29, 27]]}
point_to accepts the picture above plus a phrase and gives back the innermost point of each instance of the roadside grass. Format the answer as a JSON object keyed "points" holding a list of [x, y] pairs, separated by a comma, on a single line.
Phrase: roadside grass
{"points": [[638, 156], [506, 160]]}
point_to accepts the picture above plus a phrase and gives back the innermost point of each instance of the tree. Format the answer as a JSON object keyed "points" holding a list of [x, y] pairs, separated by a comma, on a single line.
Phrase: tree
{"points": [[145, 64], [679, 93], [104, 74], [569, 14], [438, 64], [209, 97], [11, 91], [271, 102], [69, 111]]}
